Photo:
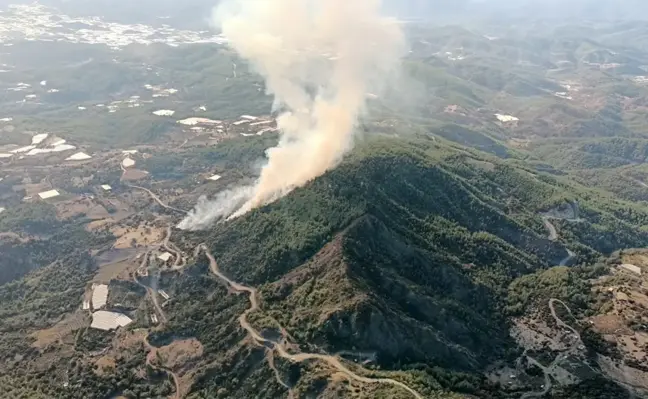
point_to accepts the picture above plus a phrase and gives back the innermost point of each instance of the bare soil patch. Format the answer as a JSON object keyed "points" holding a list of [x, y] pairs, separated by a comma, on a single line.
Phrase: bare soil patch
{"points": [[142, 235], [610, 324], [98, 224], [640, 260], [81, 206], [134, 174], [115, 271], [60, 330], [180, 352]]}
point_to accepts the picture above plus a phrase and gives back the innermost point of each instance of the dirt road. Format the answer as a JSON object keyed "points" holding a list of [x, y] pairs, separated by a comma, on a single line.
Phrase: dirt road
{"points": [[553, 234], [179, 261], [157, 199], [280, 347], [570, 255], [547, 370], [150, 291], [552, 301], [152, 354]]}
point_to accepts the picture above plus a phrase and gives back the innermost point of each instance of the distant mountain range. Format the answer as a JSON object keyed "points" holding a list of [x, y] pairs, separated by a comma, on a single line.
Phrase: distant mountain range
{"points": [[461, 10]]}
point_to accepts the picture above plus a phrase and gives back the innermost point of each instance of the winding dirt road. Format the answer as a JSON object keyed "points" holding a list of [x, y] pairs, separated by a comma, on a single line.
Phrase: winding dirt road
{"points": [[254, 306], [546, 370], [553, 236], [150, 291], [156, 198], [280, 347], [153, 353], [179, 260]]}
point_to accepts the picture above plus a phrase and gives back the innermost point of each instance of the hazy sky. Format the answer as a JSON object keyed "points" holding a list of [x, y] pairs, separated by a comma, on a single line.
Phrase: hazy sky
{"points": [[440, 11]]}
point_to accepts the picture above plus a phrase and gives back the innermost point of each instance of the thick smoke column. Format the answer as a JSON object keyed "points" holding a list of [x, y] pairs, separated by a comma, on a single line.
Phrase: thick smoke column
{"points": [[319, 59]]}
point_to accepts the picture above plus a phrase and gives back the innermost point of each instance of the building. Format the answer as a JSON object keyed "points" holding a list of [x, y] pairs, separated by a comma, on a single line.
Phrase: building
{"points": [[99, 296], [79, 156], [49, 194], [103, 320], [128, 162], [165, 256], [164, 112]]}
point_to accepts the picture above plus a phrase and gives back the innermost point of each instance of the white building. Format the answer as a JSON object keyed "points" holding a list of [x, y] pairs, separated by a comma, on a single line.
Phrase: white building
{"points": [[99, 296], [164, 112], [506, 118], [79, 156], [164, 257], [49, 194], [197, 121], [103, 320], [39, 138], [128, 162]]}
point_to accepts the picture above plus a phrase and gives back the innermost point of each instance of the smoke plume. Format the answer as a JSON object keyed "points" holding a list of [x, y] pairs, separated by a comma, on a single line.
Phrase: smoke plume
{"points": [[319, 59]]}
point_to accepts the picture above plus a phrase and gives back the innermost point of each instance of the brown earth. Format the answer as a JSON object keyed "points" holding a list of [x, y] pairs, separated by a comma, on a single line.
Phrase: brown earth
{"points": [[98, 224], [180, 352], [60, 330], [142, 235], [610, 324], [81, 206], [116, 271], [134, 174]]}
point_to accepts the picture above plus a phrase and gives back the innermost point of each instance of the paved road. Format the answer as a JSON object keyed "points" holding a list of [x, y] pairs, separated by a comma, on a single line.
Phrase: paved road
{"points": [[280, 347]]}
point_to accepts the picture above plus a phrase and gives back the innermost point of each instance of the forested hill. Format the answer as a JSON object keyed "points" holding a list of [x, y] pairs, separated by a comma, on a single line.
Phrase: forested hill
{"points": [[408, 249]]}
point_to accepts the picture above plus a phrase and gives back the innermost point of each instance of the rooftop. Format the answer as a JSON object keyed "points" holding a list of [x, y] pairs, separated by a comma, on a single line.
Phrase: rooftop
{"points": [[99, 296], [164, 256], [196, 121], [79, 156], [128, 162], [39, 138], [49, 194], [164, 112], [506, 118], [103, 320]]}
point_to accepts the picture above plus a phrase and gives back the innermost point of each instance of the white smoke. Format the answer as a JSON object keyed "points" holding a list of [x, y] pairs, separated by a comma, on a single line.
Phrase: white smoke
{"points": [[208, 211], [320, 59]]}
